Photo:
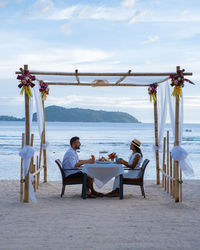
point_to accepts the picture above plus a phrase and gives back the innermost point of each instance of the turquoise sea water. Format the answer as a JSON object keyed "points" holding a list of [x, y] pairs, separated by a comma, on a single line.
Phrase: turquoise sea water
{"points": [[95, 137]]}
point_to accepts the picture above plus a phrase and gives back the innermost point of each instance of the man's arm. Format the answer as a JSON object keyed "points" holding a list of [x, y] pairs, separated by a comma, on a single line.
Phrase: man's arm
{"points": [[81, 162]]}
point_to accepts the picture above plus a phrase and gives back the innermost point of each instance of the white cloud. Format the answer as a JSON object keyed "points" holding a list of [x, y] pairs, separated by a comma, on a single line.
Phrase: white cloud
{"points": [[105, 102], [136, 16], [3, 3], [151, 39], [128, 3]]}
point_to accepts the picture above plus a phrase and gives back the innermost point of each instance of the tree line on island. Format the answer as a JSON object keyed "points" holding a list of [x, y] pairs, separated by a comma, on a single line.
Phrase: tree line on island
{"points": [[61, 114]]}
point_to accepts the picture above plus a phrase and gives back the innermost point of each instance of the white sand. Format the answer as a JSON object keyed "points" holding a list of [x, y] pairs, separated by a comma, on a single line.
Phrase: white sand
{"points": [[103, 223]]}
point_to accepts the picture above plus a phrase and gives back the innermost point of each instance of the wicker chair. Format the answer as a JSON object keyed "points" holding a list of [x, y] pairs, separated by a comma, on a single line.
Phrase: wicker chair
{"points": [[138, 179], [68, 180]]}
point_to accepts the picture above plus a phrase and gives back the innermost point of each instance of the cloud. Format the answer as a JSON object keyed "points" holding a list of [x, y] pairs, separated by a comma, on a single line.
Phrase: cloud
{"points": [[151, 39], [136, 16], [3, 3], [105, 102], [128, 3]]}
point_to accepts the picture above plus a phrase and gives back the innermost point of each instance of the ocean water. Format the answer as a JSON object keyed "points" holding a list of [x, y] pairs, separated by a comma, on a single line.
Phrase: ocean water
{"points": [[95, 137]]}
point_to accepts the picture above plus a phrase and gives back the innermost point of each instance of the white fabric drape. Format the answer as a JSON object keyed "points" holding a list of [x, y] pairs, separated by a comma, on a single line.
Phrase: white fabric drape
{"points": [[27, 153], [179, 153], [39, 108]]}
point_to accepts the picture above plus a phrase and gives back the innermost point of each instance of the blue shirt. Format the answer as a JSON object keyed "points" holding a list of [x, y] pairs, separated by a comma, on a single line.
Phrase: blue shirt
{"points": [[69, 161]]}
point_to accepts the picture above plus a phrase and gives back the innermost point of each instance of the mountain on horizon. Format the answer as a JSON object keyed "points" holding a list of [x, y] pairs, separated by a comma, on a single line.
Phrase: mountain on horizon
{"points": [[60, 114]]}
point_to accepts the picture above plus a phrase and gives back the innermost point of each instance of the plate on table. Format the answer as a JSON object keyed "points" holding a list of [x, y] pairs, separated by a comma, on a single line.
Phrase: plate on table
{"points": [[103, 162]]}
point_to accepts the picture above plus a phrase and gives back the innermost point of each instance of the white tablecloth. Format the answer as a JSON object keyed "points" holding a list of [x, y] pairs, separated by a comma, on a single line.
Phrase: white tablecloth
{"points": [[102, 173]]}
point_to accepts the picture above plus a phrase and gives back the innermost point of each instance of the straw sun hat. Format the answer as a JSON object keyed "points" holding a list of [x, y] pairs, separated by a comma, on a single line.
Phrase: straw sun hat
{"points": [[136, 143]]}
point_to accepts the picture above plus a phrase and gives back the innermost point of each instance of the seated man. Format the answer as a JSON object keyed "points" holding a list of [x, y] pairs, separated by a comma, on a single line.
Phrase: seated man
{"points": [[71, 160]]}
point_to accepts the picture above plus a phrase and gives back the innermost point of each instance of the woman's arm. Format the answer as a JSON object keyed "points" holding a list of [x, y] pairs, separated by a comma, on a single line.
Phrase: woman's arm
{"points": [[135, 162]]}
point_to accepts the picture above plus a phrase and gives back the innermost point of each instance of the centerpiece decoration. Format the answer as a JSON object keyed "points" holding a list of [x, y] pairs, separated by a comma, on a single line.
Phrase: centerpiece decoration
{"points": [[26, 81], [44, 89], [112, 156], [152, 90], [177, 81]]}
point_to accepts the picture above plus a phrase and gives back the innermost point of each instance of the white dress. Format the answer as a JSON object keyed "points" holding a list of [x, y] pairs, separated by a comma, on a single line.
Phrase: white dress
{"points": [[129, 173]]}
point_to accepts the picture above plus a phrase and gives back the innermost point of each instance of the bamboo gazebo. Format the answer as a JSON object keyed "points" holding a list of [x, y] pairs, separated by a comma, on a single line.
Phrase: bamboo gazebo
{"points": [[27, 76]]}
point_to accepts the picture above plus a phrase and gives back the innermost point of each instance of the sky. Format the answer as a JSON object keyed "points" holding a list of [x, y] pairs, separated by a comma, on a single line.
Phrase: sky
{"points": [[100, 36]]}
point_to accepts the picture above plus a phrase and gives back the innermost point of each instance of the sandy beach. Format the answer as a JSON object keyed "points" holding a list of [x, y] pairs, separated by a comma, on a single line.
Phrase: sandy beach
{"points": [[155, 222]]}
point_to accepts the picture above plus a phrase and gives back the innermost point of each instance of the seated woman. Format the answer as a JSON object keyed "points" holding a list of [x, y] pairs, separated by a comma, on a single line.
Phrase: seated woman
{"points": [[134, 162]]}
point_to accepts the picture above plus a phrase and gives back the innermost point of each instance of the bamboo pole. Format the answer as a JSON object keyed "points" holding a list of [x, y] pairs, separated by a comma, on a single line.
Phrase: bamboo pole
{"points": [[77, 77], [156, 141], [102, 74], [32, 159], [171, 191], [41, 148], [181, 198], [38, 176], [27, 136], [163, 177], [21, 173], [98, 85], [176, 164], [174, 187], [167, 161], [35, 182], [44, 141]]}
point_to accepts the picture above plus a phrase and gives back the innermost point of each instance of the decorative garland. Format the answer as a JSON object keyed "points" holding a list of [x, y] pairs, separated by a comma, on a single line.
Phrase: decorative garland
{"points": [[26, 81], [152, 90], [44, 89], [177, 81]]}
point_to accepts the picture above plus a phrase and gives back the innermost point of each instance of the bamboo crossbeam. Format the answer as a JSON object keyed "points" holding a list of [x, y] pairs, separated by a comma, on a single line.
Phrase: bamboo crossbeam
{"points": [[98, 85], [77, 77], [101, 74], [38, 171], [123, 77], [171, 178]]}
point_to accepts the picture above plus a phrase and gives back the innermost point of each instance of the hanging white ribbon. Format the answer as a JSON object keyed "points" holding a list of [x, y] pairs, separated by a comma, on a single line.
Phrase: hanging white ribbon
{"points": [[180, 154], [27, 153], [39, 108]]}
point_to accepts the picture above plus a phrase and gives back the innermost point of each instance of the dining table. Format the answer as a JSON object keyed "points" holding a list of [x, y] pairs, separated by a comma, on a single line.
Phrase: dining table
{"points": [[102, 172]]}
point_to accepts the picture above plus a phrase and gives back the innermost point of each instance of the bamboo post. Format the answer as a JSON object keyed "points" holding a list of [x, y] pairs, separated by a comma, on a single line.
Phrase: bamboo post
{"points": [[21, 173], [31, 164], [163, 177], [174, 180], [181, 185], [167, 161], [156, 141], [34, 184], [171, 191], [176, 164], [27, 122], [41, 148], [38, 177], [44, 141]]}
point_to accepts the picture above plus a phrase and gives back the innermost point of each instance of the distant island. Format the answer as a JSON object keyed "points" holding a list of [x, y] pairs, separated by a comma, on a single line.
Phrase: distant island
{"points": [[61, 114]]}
